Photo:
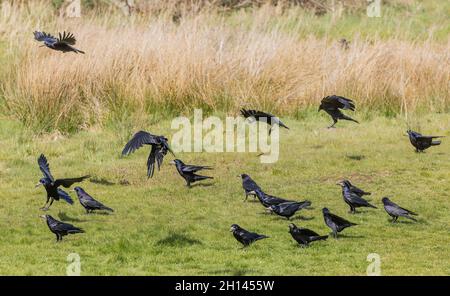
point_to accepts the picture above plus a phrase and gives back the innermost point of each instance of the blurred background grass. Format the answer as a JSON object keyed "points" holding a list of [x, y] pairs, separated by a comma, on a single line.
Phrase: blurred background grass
{"points": [[167, 57]]}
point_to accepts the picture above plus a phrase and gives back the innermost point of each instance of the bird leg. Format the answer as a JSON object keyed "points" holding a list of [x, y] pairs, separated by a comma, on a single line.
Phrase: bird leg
{"points": [[246, 196], [44, 208], [334, 122]]}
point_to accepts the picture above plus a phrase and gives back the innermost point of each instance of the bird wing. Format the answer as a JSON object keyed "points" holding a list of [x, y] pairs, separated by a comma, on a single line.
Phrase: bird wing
{"points": [[306, 231], [397, 210], [151, 161], [194, 168], [356, 199], [45, 167], [358, 191], [273, 200], [69, 181], [66, 38], [254, 113], [162, 151], [92, 203], [250, 185], [338, 220], [63, 227], [252, 235], [139, 139], [65, 196], [338, 102], [42, 36], [345, 103]]}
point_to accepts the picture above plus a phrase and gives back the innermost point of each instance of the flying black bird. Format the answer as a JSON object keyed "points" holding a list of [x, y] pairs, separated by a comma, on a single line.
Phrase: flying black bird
{"points": [[51, 185], [245, 237], [288, 209], [396, 211], [63, 43], [188, 172], [304, 235], [249, 186], [160, 146], [353, 199], [59, 228], [269, 200], [421, 142], [355, 189], [336, 223], [332, 104], [88, 202], [263, 116]]}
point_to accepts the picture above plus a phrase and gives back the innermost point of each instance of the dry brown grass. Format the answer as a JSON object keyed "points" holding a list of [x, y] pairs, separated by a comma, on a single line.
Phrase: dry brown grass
{"points": [[140, 65]]}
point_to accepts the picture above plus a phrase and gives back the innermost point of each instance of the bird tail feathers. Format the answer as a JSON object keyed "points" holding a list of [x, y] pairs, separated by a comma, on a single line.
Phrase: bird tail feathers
{"points": [[107, 209], [435, 143], [349, 118], [321, 237]]}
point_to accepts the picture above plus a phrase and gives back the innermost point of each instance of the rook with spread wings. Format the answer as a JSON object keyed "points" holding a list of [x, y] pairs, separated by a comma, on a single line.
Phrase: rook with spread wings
{"points": [[64, 42], [333, 104], [160, 147], [263, 116], [51, 184]]}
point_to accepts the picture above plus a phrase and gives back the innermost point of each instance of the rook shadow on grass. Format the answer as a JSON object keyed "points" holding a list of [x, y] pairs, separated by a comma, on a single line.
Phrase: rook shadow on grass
{"points": [[178, 240], [356, 157], [63, 217], [101, 181], [202, 185]]}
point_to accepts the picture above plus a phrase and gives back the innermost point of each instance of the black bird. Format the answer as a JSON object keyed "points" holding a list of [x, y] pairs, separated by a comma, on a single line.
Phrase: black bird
{"points": [[88, 202], [269, 200], [332, 104], [263, 116], [59, 228], [352, 199], [421, 142], [396, 211], [288, 209], [160, 146], [355, 189], [249, 186], [188, 172], [245, 237], [63, 43], [51, 185], [336, 223], [304, 235]]}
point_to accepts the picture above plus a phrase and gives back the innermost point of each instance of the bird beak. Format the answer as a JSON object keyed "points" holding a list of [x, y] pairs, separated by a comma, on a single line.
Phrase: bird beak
{"points": [[37, 185], [172, 162], [42, 216], [339, 183], [231, 229]]}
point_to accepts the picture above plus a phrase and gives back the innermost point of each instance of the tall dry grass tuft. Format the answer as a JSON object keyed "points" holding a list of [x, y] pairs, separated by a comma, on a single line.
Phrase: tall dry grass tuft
{"points": [[144, 65]]}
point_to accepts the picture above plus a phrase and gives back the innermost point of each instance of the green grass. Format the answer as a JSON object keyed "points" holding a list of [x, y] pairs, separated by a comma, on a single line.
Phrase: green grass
{"points": [[160, 227]]}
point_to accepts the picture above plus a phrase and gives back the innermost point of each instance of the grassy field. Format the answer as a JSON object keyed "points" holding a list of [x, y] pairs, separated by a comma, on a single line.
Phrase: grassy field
{"points": [[160, 227]]}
